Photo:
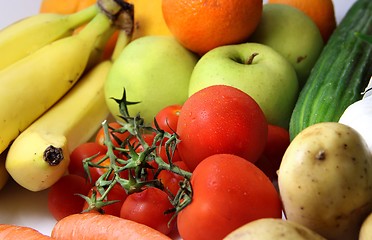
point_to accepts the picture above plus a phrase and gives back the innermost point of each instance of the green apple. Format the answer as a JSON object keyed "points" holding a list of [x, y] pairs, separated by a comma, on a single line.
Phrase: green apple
{"points": [[155, 71], [267, 77], [291, 33]]}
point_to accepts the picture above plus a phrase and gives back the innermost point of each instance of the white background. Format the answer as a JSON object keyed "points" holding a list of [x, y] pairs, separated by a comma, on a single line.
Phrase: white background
{"points": [[18, 205]]}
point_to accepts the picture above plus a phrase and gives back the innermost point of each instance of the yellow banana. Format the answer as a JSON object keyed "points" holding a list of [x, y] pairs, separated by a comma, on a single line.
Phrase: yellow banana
{"points": [[39, 156], [33, 84], [97, 54], [4, 175], [30, 34]]}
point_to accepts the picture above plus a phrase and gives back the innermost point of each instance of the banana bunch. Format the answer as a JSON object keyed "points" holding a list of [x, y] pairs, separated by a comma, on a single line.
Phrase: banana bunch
{"points": [[39, 156], [51, 98]]}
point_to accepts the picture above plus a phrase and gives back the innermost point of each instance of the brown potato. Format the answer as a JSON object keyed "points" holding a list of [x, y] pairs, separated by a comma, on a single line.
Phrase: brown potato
{"points": [[325, 180], [273, 228]]}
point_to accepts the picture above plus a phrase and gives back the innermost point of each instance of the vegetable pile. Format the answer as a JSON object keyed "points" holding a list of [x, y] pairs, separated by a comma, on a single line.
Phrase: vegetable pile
{"points": [[214, 166]]}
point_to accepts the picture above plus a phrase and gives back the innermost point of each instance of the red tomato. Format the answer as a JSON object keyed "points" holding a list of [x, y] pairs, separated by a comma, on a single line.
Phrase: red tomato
{"points": [[117, 193], [82, 152], [228, 192], [167, 118], [220, 119], [62, 198], [160, 149], [116, 137], [147, 137], [277, 143], [171, 180], [148, 207], [96, 172]]}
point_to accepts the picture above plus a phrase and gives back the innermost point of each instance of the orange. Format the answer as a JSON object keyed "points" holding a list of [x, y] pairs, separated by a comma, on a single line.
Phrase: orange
{"points": [[201, 25], [320, 11], [58, 6]]}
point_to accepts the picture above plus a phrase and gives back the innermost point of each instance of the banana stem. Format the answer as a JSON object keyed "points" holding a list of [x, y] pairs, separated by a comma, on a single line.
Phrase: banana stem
{"points": [[96, 27], [121, 43], [83, 16]]}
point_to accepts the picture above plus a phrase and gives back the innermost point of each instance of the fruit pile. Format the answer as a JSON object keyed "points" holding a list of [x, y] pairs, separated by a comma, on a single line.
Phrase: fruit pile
{"points": [[190, 119]]}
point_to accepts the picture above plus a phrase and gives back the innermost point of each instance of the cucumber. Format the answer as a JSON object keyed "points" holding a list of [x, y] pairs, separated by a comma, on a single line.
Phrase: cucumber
{"points": [[340, 74]]}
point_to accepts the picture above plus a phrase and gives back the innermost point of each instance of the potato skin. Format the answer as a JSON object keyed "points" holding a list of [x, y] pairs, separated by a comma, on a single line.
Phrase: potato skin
{"points": [[273, 228], [325, 180]]}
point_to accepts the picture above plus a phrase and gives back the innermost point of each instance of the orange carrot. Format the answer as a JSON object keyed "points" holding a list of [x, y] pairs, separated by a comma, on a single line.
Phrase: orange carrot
{"points": [[14, 232], [95, 226]]}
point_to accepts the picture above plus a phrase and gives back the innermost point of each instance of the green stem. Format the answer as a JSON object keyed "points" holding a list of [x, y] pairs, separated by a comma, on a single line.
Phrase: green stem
{"points": [[137, 164], [83, 16]]}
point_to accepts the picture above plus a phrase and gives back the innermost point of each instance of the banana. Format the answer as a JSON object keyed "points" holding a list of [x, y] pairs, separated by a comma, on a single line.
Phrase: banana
{"points": [[30, 34], [39, 156], [33, 84], [97, 54], [4, 175]]}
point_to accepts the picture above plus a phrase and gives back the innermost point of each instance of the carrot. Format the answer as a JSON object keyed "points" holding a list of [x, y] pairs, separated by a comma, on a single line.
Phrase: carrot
{"points": [[95, 226], [14, 232]]}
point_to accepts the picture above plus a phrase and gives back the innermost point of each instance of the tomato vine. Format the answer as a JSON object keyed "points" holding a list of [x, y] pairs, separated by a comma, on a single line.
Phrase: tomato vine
{"points": [[136, 163]]}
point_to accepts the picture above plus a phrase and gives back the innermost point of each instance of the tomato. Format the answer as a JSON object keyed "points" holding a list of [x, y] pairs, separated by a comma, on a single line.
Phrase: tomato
{"points": [[167, 118], [96, 172], [277, 143], [220, 119], [228, 192], [148, 207], [161, 151], [117, 193], [82, 152], [116, 137], [147, 137], [171, 180], [62, 198]]}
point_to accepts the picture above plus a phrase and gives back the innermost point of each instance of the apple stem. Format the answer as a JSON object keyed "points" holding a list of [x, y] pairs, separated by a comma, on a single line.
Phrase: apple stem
{"points": [[250, 59]]}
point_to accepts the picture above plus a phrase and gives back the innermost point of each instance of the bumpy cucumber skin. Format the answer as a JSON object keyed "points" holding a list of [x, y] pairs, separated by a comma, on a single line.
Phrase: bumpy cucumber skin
{"points": [[341, 73]]}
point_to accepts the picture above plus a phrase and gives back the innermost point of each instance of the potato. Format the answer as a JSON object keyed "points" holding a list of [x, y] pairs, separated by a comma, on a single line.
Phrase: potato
{"points": [[325, 180], [366, 229], [273, 228]]}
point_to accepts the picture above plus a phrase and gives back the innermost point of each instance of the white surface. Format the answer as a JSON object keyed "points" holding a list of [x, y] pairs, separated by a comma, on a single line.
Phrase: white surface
{"points": [[22, 207]]}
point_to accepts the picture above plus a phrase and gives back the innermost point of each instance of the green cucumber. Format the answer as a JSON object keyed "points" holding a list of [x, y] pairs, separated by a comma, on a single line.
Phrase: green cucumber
{"points": [[340, 74]]}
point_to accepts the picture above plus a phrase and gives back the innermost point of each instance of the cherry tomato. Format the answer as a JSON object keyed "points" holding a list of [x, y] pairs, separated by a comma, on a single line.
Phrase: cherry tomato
{"points": [[167, 118], [160, 149], [116, 137], [171, 180], [147, 137], [228, 192], [117, 193], [220, 119], [277, 143], [96, 172], [62, 198], [82, 152], [148, 207]]}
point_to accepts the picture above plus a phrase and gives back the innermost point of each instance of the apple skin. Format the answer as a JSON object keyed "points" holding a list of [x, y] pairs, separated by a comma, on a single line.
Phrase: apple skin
{"points": [[291, 33], [155, 71], [270, 79]]}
